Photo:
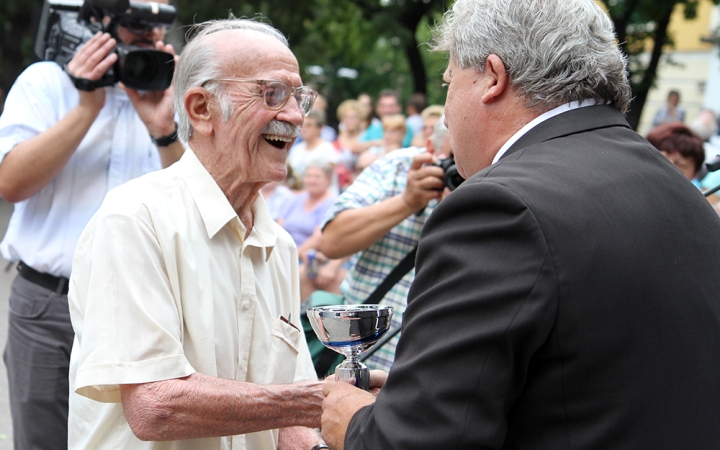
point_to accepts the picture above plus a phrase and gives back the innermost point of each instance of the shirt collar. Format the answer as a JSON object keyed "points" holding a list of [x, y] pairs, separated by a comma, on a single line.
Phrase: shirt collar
{"points": [[215, 209], [540, 119]]}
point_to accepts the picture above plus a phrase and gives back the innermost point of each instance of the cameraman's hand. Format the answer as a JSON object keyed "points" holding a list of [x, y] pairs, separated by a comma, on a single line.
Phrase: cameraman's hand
{"points": [[424, 182], [155, 108], [91, 62]]}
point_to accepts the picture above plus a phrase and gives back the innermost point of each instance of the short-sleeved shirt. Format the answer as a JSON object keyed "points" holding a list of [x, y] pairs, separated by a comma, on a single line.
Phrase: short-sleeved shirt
{"points": [[44, 229], [165, 284], [383, 179]]}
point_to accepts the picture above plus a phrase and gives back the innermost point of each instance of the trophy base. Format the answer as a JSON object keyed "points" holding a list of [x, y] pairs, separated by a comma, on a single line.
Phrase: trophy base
{"points": [[355, 373]]}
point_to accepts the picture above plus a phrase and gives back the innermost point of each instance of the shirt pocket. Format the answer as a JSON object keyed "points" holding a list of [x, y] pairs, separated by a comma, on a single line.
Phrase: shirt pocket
{"points": [[283, 356]]}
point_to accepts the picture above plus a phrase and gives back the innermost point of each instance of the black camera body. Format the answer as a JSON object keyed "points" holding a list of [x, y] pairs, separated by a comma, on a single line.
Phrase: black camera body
{"points": [[66, 25], [452, 178]]}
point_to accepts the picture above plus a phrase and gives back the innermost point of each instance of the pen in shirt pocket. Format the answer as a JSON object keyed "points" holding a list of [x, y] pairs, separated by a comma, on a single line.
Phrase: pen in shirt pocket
{"points": [[287, 321]]}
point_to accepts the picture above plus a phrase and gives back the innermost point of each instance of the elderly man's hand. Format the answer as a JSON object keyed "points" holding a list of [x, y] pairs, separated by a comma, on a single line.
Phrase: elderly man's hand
{"points": [[424, 182], [342, 401]]}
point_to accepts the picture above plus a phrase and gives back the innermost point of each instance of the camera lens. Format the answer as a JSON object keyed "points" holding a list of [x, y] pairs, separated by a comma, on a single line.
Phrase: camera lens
{"points": [[453, 178], [140, 67]]}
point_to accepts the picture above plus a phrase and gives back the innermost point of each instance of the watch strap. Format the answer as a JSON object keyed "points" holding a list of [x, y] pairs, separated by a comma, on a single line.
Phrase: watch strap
{"points": [[164, 141]]}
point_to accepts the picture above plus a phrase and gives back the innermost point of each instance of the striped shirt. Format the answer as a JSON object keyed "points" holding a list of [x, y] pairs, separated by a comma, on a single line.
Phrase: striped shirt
{"points": [[383, 179]]}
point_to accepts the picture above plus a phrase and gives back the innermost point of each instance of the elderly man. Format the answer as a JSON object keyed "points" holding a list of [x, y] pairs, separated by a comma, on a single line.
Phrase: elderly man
{"points": [[566, 295], [184, 294]]}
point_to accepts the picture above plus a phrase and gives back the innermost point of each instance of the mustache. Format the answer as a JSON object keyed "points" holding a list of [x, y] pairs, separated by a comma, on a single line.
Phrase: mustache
{"points": [[281, 128]]}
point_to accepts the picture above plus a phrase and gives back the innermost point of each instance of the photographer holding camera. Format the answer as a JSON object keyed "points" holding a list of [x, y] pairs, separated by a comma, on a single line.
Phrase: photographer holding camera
{"points": [[379, 218], [61, 150]]}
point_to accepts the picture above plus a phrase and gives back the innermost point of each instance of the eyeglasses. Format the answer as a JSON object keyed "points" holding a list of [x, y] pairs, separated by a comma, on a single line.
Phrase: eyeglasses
{"points": [[275, 94]]}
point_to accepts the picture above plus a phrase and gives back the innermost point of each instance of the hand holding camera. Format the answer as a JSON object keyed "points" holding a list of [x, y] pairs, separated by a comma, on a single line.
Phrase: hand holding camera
{"points": [[427, 180], [65, 31]]}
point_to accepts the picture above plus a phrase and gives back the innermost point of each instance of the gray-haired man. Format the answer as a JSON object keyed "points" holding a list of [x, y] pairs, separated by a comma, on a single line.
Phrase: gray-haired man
{"points": [[184, 294], [566, 294]]}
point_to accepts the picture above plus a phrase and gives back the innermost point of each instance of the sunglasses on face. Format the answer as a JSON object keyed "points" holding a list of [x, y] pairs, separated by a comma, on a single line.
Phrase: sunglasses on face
{"points": [[275, 94]]}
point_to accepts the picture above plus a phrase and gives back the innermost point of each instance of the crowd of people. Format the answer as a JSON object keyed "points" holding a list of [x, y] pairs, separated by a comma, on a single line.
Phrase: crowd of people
{"points": [[561, 283]]}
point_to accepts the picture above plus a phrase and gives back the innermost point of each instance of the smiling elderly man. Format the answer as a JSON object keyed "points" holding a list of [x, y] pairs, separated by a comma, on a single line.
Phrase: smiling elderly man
{"points": [[184, 294]]}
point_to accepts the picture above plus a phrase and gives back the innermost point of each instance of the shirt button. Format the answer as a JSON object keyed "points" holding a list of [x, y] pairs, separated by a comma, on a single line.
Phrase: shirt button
{"points": [[246, 304]]}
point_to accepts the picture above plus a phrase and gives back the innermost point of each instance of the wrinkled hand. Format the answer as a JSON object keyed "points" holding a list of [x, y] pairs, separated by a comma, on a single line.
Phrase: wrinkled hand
{"points": [[342, 401], [91, 61], [424, 182], [155, 108]]}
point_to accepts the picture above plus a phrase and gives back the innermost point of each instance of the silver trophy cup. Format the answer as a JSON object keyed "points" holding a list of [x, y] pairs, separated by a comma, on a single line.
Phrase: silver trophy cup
{"points": [[350, 330]]}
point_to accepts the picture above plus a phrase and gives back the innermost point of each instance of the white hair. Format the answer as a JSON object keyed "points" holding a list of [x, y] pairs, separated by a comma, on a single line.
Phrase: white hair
{"points": [[200, 62], [555, 51]]}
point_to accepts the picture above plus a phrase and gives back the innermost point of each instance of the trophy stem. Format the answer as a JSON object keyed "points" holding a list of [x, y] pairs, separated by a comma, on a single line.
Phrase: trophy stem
{"points": [[353, 371]]}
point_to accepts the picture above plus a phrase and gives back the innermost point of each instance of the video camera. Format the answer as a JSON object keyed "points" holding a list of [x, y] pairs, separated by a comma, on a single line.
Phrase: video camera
{"points": [[452, 178], [67, 24]]}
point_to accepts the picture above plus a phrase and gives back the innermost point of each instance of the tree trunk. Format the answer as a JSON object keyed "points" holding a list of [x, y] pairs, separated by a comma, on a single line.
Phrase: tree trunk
{"points": [[641, 89], [416, 65]]}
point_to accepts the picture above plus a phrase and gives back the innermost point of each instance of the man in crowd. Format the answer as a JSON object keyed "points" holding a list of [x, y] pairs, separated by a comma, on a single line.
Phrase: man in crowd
{"points": [[184, 295], [379, 218], [388, 104], [566, 294], [61, 150]]}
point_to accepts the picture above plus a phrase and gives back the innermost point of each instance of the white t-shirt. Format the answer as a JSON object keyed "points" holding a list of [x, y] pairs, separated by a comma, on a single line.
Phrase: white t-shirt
{"points": [[164, 285], [44, 229]]}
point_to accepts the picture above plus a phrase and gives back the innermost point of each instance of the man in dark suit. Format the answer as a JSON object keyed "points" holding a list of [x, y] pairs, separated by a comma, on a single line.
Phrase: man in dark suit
{"points": [[567, 295]]}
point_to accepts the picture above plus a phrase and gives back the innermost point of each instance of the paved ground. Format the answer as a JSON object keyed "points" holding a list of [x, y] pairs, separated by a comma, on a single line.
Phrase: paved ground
{"points": [[6, 278]]}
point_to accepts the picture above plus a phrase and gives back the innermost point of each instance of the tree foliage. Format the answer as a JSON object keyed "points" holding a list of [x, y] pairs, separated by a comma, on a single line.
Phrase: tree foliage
{"points": [[383, 40]]}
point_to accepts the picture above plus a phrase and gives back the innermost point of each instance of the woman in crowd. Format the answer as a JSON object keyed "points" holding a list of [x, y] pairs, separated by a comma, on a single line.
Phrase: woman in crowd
{"points": [[394, 131], [306, 210], [302, 217], [681, 146], [350, 114], [430, 116], [313, 146]]}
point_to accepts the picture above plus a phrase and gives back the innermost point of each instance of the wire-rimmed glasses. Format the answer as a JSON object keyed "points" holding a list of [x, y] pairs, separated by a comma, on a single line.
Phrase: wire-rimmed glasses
{"points": [[275, 94]]}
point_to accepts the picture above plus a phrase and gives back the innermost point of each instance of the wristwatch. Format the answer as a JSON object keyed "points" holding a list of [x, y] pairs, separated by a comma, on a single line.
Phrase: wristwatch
{"points": [[320, 447], [164, 141]]}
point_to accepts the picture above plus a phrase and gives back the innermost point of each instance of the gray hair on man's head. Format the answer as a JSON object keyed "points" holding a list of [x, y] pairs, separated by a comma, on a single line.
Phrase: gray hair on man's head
{"points": [[200, 62], [555, 51]]}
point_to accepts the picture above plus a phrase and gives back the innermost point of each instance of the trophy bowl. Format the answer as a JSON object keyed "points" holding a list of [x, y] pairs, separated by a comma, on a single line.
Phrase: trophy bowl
{"points": [[350, 330]]}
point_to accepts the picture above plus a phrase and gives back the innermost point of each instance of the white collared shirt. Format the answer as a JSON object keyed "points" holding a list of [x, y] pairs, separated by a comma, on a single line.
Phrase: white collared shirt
{"points": [[538, 120], [165, 284], [44, 229]]}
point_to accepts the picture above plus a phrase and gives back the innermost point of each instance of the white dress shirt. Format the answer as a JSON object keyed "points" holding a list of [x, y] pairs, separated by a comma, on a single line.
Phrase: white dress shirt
{"points": [[537, 121], [44, 229], [164, 284]]}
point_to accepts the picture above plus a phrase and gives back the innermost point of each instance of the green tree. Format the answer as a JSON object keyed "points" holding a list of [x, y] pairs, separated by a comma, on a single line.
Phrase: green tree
{"points": [[640, 24]]}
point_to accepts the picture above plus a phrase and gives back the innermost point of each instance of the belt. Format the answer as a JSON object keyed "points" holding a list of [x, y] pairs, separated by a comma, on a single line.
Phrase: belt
{"points": [[57, 284]]}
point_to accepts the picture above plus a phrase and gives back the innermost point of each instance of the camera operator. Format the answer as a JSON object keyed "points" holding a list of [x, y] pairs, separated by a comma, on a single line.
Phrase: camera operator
{"points": [[61, 150], [380, 217]]}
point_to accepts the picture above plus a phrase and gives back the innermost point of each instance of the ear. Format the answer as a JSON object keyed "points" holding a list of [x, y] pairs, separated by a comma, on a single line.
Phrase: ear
{"points": [[497, 79], [197, 106]]}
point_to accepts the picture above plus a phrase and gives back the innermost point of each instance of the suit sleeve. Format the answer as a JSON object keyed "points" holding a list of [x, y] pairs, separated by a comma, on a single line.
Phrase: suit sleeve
{"points": [[483, 301]]}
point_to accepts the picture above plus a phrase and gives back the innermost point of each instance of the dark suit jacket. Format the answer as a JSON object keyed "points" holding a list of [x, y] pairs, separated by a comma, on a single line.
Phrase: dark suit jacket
{"points": [[567, 297]]}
